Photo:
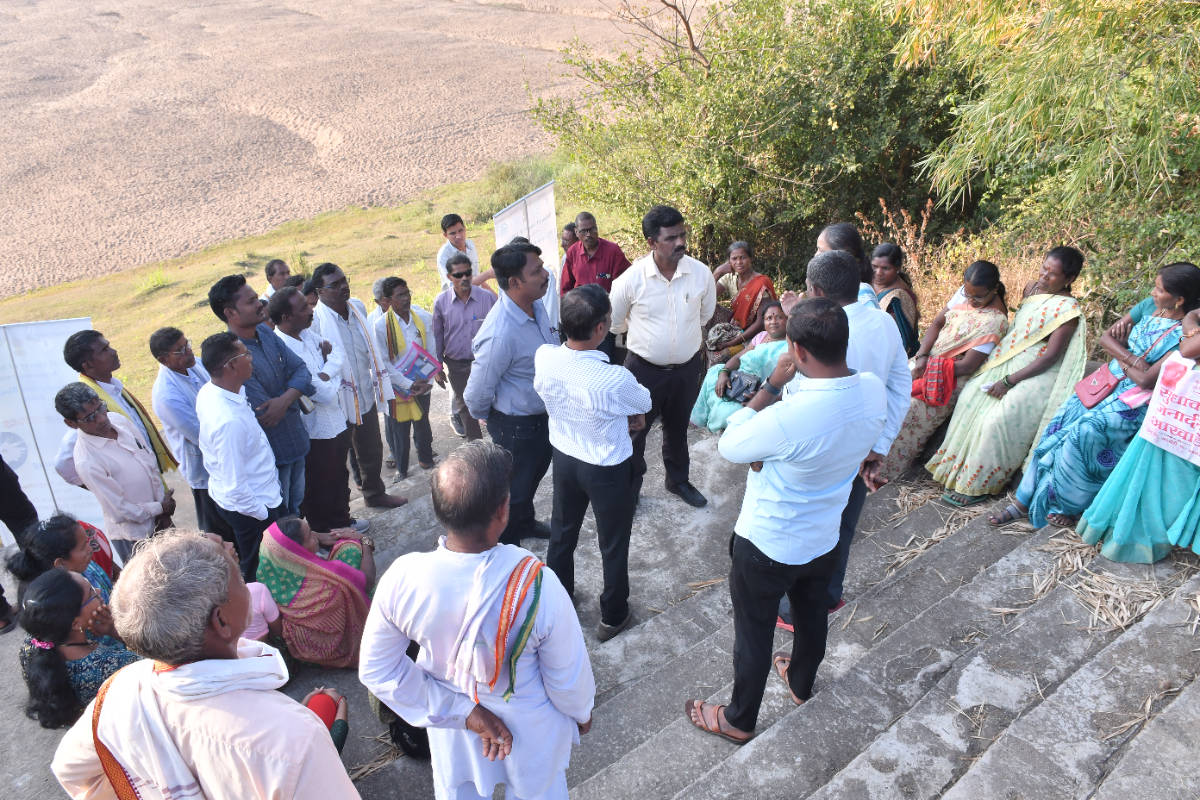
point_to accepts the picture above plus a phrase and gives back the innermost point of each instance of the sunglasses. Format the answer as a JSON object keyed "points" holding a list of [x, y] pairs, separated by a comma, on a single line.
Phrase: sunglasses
{"points": [[90, 418], [460, 275]]}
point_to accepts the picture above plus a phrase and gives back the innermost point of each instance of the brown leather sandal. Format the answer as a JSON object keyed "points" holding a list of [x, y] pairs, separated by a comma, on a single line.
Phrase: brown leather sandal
{"points": [[782, 660], [715, 728]]}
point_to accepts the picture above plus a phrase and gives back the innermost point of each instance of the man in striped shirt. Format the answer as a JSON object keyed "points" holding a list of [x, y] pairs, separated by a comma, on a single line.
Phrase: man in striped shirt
{"points": [[593, 407]]}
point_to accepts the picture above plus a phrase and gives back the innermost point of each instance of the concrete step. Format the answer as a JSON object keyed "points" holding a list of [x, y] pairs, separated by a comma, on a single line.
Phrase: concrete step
{"points": [[1064, 747], [811, 744], [935, 742], [868, 622], [1161, 763]]}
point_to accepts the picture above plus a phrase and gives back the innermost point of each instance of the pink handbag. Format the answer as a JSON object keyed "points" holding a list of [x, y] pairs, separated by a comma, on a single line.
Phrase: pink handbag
{"points": [[1100, 384]]}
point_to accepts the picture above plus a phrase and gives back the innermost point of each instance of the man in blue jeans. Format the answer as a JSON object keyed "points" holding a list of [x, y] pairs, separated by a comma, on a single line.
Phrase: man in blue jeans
{"points": [[500, 391], [280, 379]]}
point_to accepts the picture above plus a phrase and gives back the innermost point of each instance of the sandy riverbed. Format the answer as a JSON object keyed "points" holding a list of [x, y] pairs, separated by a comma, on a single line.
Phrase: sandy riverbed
{"points": [[137, 130]]}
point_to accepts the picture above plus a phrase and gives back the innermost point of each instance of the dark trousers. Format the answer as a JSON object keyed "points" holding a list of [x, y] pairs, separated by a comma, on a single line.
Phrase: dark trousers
{"points": [[248, 533], [459, 372], [208, 517], [327, 484], [850, 515], [398, 433], [609, 348], [609, 490], [527, 439], [756, 584], [17, 514], [368, 449], [672, 394]]}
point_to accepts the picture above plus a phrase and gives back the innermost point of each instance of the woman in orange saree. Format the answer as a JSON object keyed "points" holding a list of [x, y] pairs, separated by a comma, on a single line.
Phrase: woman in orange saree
{"points": [[323, 601], [748, 290]]}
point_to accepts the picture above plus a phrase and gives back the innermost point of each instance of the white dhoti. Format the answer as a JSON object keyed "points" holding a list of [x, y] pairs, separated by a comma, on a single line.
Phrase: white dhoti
{"points": [[451, 605]]}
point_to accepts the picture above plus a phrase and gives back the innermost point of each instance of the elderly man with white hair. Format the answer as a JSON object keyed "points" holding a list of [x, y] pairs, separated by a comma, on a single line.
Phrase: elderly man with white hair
{"points": [[199, 717], [502, 680]]}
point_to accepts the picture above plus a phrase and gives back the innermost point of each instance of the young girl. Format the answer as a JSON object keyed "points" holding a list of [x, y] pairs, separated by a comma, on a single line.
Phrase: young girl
{"points": [[62, 665], [59, 542]]}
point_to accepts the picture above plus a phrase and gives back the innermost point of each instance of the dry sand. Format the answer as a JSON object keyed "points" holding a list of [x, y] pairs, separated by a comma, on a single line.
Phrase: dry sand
{"points": [[137, 131]]}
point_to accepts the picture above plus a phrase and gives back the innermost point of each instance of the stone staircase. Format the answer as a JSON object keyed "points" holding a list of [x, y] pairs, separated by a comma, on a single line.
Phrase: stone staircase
{"points": [[965, 665]]}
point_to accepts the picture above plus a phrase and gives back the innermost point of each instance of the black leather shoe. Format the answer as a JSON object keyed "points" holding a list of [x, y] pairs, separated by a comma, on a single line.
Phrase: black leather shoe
{"points": [[540, 530], [689, 493], [412, 740]]}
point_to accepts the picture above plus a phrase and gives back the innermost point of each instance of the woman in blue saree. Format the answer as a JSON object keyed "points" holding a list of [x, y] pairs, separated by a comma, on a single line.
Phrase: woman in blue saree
{"points": [[1081, 446], [713, 409]]}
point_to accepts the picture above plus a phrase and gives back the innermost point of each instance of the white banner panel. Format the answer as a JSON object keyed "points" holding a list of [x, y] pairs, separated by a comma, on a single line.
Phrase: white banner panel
{"points": [[32, 371], [532, 217]]}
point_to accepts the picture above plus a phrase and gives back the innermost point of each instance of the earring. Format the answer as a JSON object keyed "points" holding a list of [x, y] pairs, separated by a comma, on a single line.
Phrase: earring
{"points": [[1179, 305]]}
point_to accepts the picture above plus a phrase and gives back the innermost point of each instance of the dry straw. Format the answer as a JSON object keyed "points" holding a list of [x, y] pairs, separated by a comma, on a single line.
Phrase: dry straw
{"points": [[1117, 602], [916, 544], [387, 756]]}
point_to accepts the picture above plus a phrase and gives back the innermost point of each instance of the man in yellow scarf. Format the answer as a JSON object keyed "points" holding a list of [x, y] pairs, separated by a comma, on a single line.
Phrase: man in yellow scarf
{"points": [[94, 358], [400, 328]]}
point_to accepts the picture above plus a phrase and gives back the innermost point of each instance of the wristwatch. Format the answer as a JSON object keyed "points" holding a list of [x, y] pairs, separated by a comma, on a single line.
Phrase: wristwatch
{"points": [[367, 541]]}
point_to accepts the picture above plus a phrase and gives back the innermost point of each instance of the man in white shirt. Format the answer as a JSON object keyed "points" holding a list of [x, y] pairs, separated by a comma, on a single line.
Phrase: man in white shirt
{"points": [[179, 379], [242, 479], [326, 502], [401, 328], [277, 273], [117, 466], [593, 407], [505, 688], [875, 347], [804, 453], [362, 368], [660, 303], [455, 232], [97, 361]]}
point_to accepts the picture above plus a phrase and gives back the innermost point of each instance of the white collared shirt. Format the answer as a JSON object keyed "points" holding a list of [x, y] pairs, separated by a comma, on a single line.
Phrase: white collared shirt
{"points": [[811, 444], [64, 460], [327, 419], [661, 318], [589, 402], [123, 475], [443, 256], [876, 347], [241, 465]]}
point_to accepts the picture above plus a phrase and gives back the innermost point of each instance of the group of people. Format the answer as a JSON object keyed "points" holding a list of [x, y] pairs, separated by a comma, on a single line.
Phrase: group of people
{"points": [[826, 395]]}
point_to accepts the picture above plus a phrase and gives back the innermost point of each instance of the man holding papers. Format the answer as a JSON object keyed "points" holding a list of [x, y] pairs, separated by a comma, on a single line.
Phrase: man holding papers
{"points": [[405, 334]]}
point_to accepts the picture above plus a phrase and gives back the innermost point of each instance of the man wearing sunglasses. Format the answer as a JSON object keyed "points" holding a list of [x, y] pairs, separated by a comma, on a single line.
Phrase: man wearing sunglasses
{"points": [[458, 314], [118, 468]]}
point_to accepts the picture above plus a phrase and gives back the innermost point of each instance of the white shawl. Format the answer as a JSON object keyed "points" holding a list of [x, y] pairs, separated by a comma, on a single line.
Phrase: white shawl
{"points": [[327, 322], [473, 658], [131, 724]]}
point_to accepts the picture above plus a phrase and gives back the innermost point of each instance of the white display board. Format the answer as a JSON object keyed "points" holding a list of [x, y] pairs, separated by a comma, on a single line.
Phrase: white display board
{"points": [[533, 217], [32, 371]]}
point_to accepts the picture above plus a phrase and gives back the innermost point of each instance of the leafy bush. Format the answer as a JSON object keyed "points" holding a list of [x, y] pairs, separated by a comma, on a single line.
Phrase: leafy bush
{"points": [[779, 117], [503, 183]]}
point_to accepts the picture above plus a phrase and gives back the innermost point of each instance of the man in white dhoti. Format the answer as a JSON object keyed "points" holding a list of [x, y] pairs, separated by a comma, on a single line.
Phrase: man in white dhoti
{"points": [[502, 682], [199, 717]]}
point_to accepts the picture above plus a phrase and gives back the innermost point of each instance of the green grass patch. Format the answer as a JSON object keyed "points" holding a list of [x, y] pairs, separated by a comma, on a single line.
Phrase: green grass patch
{"points": [[368, 243]]}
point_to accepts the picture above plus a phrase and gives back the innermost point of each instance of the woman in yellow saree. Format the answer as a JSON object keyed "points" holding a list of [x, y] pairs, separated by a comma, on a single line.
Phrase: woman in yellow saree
{"points": [[323, 600], [1004, 408]]}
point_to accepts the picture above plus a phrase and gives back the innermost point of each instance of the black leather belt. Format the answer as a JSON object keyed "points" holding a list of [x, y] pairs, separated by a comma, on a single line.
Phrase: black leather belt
{"points": [[667, 367]]}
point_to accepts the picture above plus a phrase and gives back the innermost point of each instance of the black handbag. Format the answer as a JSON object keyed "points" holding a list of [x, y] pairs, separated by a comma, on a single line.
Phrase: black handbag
{"points": [[742, 386]]}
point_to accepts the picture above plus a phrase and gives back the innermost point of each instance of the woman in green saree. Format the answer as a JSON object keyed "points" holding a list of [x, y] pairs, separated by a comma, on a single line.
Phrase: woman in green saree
{"points": [[712, 409], [323, 600], [1150, 503], [1004, 408]]}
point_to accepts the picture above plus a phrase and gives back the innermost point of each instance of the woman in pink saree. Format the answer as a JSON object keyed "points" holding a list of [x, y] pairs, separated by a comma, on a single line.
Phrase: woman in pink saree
{"points": [[323, 600]]}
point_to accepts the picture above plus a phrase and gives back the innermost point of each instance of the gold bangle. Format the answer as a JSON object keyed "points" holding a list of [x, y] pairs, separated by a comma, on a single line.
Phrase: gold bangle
{"points": [[1191, 333]]}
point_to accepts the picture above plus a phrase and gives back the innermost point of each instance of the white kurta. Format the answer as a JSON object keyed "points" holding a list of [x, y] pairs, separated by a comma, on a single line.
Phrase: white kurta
{"points": [[423, 598]]}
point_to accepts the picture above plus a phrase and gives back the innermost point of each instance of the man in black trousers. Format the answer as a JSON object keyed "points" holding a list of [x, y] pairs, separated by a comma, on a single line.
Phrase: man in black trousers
{"points": [[661, 302], [17, 514], [593, 407]]}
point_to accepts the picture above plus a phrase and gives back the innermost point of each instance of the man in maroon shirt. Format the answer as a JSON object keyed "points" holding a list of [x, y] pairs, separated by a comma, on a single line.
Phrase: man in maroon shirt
{"points": [[593, 260]]}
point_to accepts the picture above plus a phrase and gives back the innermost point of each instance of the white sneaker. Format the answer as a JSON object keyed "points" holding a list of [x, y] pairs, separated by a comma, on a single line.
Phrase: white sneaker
{"points": [[360, 525]]}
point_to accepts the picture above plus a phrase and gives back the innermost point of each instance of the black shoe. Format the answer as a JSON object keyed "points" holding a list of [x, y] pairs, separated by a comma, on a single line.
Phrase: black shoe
{"points": [[606, 632], [540, 530], [412, 740], [456, 423], [689, 493]]}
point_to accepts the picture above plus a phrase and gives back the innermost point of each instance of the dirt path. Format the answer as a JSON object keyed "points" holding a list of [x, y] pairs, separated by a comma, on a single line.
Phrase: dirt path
{"points": [[141, 130]]}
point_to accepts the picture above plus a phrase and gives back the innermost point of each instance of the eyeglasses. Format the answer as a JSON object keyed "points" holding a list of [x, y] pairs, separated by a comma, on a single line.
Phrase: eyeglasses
{"points": [[90, 418], [187, 345], [235, 358], [460, 275], [94, 595], [581, 232]]}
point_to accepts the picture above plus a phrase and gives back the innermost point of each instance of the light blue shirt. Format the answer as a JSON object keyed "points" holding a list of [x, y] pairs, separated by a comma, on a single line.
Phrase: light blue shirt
{"points": [[174, 401], [811, 444], [502, 376], [867, 296]]}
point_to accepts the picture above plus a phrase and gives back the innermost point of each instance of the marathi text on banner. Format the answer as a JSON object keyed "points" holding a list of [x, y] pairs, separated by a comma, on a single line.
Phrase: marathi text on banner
{"points": [[1173, 416]]}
